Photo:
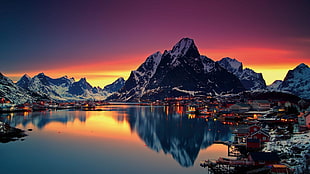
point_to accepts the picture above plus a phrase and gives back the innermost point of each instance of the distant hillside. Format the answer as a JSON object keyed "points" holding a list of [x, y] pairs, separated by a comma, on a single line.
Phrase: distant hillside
{"points": [[11, 92], [66, 89]]}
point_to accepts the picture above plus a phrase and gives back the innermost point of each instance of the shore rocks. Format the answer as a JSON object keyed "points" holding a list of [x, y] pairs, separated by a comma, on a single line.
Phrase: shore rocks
{"points": [[8, 133]]}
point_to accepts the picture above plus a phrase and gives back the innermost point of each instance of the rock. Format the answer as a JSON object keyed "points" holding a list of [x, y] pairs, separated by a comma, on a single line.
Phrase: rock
{"points": [[8, 133]]}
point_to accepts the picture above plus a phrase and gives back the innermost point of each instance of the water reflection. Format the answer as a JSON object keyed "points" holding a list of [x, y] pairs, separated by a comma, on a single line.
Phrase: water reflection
{"points": [[174, 133], [163, 129], [41, 119]]}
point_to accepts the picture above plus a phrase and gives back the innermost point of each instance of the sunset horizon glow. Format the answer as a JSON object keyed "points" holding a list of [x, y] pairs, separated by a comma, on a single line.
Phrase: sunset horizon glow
{"points": [[104, 40], [102, 78]]}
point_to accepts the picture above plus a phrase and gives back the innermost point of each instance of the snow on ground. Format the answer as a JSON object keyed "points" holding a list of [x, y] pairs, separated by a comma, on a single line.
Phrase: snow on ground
{"points": [[294, 152], [192, 93]]}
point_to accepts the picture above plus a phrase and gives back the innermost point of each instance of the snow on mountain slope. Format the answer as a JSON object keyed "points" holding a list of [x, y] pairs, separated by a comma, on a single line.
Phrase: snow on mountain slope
{"points": [[231, 65], [115, 86], [297, 81], [11, 92], [249, 78], [63, 88], [177, 72], [275, 85]]}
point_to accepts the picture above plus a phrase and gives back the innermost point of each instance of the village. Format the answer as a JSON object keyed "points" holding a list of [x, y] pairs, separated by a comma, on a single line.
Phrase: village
{"points": [[270, 136]]}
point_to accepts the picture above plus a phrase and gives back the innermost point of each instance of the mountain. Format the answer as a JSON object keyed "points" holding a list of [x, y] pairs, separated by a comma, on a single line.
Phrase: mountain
{"points": [[80, 87], [12, 92], [63, 88], [275, 85], [297, 81], [181, 71], [115, 86], [24, 81], [249, 78], [42, 84]]}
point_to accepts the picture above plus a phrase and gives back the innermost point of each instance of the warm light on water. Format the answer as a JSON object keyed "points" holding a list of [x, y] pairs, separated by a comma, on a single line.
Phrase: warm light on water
{"points": [[99, 124], [119, 139]]}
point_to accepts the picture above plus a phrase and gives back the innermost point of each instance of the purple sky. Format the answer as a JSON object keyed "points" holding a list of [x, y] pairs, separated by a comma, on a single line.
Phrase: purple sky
{"points": [[62, 37]]}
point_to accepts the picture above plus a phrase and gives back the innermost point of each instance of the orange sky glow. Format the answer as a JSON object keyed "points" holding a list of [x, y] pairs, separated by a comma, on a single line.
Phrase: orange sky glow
{"points": [[272, 63]]}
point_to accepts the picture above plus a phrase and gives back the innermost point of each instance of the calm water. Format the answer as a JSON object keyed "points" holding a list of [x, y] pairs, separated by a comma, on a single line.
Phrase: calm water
{"points": [[119, 139]]}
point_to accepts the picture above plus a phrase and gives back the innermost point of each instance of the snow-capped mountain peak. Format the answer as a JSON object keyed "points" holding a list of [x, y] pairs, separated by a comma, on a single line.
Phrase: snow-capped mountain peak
{"points": [[249, 78], [183, 47], [297, 81], [26, 76], [115, 86], [302, 69], [302, 66], [12, 92], [275, 85], [41, 75], [178, 72], [231, 65], [156, 57], [82, 80], [62, 88], [24, 81], [119, 80], [150, 65]]}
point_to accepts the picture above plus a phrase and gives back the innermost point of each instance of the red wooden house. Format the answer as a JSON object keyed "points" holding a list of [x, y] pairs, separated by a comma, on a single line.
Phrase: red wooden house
{"points": [[243, 132], [253, 128], [253, 144], [261, 135]]}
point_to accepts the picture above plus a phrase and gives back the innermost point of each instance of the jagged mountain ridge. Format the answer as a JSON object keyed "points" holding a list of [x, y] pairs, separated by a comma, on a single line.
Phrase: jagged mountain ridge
{"points": [[297, 81], [63, 88], [275, 85], [249, 78], [177, 72], [115, 86], [12, 92]]}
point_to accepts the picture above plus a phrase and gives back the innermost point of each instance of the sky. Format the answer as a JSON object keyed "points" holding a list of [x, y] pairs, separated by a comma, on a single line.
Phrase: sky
{"points": [[106, 39]]}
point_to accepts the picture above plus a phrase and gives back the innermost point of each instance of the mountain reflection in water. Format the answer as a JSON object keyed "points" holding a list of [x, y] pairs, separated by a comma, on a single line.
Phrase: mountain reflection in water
{"points": [[41, 119], [166, 129], [175, 133]]}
